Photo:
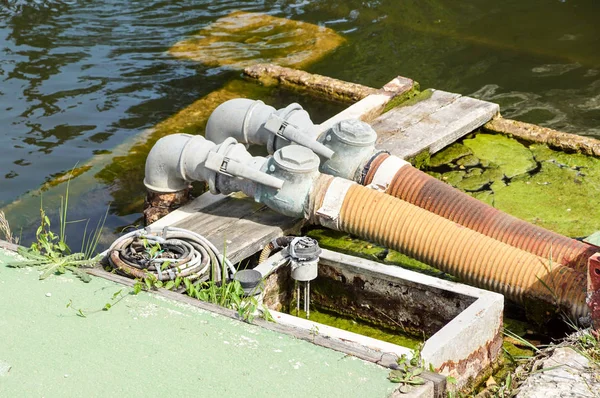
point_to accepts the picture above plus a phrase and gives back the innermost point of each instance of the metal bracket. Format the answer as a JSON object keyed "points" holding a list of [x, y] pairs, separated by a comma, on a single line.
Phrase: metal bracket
{"points": [[219, 163]]}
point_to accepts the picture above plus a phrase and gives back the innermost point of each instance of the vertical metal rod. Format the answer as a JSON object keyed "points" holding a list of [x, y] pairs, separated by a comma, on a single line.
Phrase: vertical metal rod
{"points": [[307, 299], [297, 298]]}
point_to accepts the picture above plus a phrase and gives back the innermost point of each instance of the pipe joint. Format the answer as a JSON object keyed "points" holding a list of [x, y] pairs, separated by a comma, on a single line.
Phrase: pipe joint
{"points": [[178, 159], [353, 144], [253, 122], [299, 168]]}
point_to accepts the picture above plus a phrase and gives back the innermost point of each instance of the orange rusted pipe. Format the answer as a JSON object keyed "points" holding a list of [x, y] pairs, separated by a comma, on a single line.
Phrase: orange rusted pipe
{"points": [[473, 257], [420, 189]]}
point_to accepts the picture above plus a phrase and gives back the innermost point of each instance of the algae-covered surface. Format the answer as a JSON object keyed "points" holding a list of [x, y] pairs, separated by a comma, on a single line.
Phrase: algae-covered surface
{"points": [[345, 243], [153, 347], [358, 327], [241, 39], [556, 190]]}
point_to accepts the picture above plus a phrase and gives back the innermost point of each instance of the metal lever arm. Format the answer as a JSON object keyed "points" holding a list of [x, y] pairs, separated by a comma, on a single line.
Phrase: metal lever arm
{"points": [[231, 167], [278, 127]]}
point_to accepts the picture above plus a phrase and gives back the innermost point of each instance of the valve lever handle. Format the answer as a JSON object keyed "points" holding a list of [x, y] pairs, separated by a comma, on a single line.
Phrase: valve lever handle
{"points": [[277, 126], [232, 168]]}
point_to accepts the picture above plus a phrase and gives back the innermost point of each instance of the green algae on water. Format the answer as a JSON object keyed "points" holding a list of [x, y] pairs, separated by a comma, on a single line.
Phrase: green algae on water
{"points": [[512, 157], [553, 189]]}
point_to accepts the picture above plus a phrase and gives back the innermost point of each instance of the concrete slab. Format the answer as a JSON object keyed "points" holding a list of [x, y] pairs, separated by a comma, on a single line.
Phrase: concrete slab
{"points": [[153, 347]]}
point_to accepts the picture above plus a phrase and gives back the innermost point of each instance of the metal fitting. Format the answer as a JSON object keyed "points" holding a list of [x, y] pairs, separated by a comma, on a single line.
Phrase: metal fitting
{"points": [[253, 122], [304, 258], [178, 159], [353, 143], [299, 168]]}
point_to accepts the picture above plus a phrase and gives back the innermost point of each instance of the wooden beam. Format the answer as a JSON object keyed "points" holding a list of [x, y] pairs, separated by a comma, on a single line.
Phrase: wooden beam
{"points": [[327, 87], [553, 138]]}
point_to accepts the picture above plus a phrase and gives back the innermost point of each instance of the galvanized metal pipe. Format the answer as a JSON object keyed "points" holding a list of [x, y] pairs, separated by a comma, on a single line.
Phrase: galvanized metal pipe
{"points": [[473, 257], [420, 189]]}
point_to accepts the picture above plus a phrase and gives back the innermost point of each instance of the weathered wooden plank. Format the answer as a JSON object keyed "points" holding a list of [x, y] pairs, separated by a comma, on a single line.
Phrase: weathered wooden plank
{"points": [[238, 226], [372, 105], [431, 124], [324, 86], [188, 209], [400, 118]]}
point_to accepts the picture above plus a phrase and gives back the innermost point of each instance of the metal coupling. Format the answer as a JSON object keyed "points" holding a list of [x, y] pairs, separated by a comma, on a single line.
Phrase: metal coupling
{"points": [[353, 144], [299, 168]]}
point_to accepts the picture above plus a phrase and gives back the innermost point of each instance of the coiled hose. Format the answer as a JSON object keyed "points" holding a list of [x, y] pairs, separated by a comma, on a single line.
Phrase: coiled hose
{"points": [[475, 258], [420, 189], [277, 243], [190, 255]]}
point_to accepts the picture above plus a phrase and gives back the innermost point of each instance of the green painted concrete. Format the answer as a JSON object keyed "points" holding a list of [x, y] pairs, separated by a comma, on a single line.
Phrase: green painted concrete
{"points": [[152, 347]]}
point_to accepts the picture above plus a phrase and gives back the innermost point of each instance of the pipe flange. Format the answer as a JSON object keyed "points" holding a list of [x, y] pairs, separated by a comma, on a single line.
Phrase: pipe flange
{"points": [[247, 118]]}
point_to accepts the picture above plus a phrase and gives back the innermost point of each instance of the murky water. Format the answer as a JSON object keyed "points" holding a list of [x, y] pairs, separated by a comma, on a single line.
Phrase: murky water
{"points": [[80, 78]]}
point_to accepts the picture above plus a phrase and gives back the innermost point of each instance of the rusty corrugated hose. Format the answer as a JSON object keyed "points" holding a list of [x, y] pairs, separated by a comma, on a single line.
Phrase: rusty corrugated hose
{"points": [[475, 258], [420, 189]]}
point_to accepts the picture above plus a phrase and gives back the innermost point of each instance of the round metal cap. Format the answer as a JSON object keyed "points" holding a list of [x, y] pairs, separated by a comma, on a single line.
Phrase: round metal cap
{"points": [[250, 280], [296, 158], [354, 132]]}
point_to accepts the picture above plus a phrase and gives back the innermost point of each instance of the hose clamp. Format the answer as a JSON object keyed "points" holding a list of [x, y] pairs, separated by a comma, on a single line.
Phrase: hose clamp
{"points": [[221, 150], [385, 173]]}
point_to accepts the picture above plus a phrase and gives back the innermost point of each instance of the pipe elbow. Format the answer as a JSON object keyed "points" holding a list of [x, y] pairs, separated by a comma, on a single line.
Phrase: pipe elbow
{"points": [[239, 118], [162, 173]]}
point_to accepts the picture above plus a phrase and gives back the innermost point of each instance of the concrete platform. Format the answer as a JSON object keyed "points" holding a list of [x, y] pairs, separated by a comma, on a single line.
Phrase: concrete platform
{"points": [[150, 346]]}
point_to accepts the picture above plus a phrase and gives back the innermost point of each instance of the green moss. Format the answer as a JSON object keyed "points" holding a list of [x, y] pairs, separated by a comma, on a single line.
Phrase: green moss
{"points": [[344, 243], [420, 160], [454, 177], [420, 96], [512, 157], [450, 154], [555, 198], [468, 161], [230, 39], [402, 98], [484, 196], [360, 327], [478, 179], [404, 261], [555, 190]]}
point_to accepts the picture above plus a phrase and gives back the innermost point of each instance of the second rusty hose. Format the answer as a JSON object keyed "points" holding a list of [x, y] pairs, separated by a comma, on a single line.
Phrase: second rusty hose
{"points": [[419, 188], [475, 258]]}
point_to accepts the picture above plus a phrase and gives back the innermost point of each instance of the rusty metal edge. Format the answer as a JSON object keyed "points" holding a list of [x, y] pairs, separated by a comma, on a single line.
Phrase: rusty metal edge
{"points": [[593, 289]]}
